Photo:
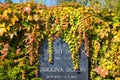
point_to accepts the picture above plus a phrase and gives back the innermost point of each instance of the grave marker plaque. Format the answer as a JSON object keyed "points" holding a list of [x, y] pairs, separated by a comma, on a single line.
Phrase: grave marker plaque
{"points": [[62, 67]]}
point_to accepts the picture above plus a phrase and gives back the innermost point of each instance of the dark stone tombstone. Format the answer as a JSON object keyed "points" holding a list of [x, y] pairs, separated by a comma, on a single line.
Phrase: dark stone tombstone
{"points": [[62, 67]]}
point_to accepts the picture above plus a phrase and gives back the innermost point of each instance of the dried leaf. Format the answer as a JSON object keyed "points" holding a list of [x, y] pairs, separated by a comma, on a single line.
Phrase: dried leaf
{"points": [[11, 36]]}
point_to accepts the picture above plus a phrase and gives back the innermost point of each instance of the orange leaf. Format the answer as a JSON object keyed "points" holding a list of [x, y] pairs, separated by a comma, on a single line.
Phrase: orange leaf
{"points": [[104, 73], [97, 70], [31, 58]]}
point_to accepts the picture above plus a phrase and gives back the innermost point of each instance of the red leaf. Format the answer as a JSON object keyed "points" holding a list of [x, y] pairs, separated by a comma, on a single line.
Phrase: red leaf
{"points": [[4, 52], [97, 70], [31, 58], [5, 5]]}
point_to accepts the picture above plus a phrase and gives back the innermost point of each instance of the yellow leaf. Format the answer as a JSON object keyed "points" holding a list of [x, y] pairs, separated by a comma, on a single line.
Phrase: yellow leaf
{"points": [[115, 24], [11, 36], [117, 78], [28, 5], [2, 25], [20, 64], [29, 17], [9, 10], [14, 19], [8, 27], [116, 39], [5, 13], [23, 16], [21, 60], [2, 29], [112, 14], [35, 17]]}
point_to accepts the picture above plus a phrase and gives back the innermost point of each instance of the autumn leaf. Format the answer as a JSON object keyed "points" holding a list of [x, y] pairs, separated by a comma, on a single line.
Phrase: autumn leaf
{"points": [[9, 10], [6, 46], [30, 40], [27, 9], [116, 24], [5, 13], [15, 61], [5, 5], [8, 27], [20, 63], [30, 48], [1, 17], [23, 75], [29, 18], [11, 35], [31, 58], [117, 78], [35, 17], [2, 29], [104, 73], [36, 73], [97, 70], [18, 51], [4, 54], [101, 35], [14, 19], [116, 38]]}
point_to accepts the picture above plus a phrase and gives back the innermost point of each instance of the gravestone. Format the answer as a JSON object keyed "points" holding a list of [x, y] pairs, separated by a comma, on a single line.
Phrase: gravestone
{"points": [[62, 67]]}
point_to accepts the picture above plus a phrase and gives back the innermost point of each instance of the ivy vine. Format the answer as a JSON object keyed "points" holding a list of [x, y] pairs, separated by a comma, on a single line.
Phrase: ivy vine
{"points": [[24, 26]]}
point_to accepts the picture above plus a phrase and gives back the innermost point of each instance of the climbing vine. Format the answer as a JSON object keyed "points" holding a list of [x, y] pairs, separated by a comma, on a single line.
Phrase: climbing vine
{"points": [[24, 26]]}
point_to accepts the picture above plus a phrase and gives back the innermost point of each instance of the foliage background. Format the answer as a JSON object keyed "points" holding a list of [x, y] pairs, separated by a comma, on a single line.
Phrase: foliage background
{"points": [[24, 26]]}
